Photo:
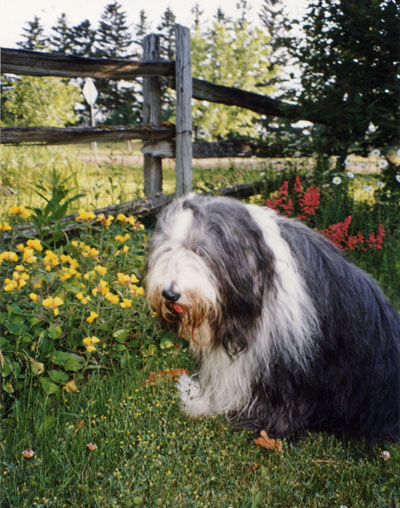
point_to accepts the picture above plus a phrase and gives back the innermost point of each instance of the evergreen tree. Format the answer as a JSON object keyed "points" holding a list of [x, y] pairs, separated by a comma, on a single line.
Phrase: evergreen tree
{"points": [[142, 28], [114, 39], [166, 29], [62, 38], [35, 40], [116, 98], [167, 32], [349, 59], [275, 19], [84, 38], [197, 13]]}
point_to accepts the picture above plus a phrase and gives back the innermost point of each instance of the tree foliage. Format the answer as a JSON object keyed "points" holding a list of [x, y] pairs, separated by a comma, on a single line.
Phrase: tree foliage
{"points": [[231, 53], [43, 101], [349, 60]]}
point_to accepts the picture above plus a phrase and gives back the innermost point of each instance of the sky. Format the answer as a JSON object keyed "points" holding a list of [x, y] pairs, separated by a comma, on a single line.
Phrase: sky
{"points": [[15, 13]]}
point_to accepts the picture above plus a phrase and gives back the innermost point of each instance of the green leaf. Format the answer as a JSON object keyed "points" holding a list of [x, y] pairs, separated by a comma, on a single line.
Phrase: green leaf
{"points": [[166, 342], [54, 332], [4, 344], [69, 361], [47, 424], [48, 386], [74, 363], [8, 387], [58, 377], [6, 369], [16, 325], [60, 358], [121, 335], [37, 367]]}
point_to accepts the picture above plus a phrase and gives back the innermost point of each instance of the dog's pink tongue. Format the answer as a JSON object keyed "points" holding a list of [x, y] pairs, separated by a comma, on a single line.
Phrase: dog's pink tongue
{"points": [[179, 308]]}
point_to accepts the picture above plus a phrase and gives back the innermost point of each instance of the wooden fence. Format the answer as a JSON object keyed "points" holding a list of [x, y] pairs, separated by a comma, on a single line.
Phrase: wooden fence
{"points": [[160, 139]]}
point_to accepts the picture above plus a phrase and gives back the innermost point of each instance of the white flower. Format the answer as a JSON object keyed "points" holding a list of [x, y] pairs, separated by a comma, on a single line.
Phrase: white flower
{"points": [[385, 455], [347, 161], [368, 188], [398, 152], [262, 174], [349, 174], [336, 180], [380, 185], [397, 178], [383, 163], [375, 153]]}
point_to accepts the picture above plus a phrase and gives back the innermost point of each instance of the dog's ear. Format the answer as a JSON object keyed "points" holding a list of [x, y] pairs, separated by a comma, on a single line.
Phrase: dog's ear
{"points": [[244, 268]]}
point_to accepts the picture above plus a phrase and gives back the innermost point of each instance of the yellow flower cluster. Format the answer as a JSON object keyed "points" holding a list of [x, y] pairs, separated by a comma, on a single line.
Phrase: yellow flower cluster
{"points": [[50, 260], [86, 250], [8, 255], [90, 343], [105, 221], [122, 239], [53, 304], [5, 226], [49, 278], [20, 211], [17, 282], [84, 215], [131, 220]]}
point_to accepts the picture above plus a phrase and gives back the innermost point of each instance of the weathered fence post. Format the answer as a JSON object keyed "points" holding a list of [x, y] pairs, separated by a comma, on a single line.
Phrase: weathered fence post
{"points": [[183, 77], [152, 166]]}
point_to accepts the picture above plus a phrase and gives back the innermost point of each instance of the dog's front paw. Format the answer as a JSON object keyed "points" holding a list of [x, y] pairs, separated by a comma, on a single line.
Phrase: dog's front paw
{"points": [[195, 402]]}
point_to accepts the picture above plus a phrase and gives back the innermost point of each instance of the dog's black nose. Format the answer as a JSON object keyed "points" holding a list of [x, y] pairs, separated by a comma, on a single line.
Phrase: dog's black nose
{"points": [[170, 294]]}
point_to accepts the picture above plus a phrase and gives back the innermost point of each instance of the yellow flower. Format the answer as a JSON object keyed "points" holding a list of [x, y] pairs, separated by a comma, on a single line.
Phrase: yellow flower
{"points": [[121, 217], [92, 317], [124, 250], [134, 223], [21, 211], [8, 255], [53, 304], [73, 263], [28, 256], [5, 226], [124, 278], [84, 215], [126, 303], [50, 260], [110, 297], [90, 343], [121, 238], [17, 282], [20, 268], [102, 270], [89, 251], [102, 288], [10, 285], [136, 291], [83, 299], [35, 244], [105, 221], [34, 297]]}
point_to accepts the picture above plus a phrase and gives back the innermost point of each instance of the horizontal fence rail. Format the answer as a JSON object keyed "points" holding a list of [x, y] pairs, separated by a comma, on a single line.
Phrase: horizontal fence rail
{"points": [[73, 135], [36, 63]]}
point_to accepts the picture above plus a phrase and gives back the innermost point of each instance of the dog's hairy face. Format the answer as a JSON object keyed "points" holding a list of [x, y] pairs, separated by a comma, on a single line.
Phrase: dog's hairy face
{"points": [[208, 269], [180, 286]]}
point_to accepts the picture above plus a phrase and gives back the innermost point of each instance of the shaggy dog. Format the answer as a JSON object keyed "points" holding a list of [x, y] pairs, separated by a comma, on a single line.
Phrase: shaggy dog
{"points": [[289, 335]]}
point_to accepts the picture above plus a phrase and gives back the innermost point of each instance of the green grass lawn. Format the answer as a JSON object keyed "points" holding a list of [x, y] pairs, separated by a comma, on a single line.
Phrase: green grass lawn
{"points": [[150, 454]]}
